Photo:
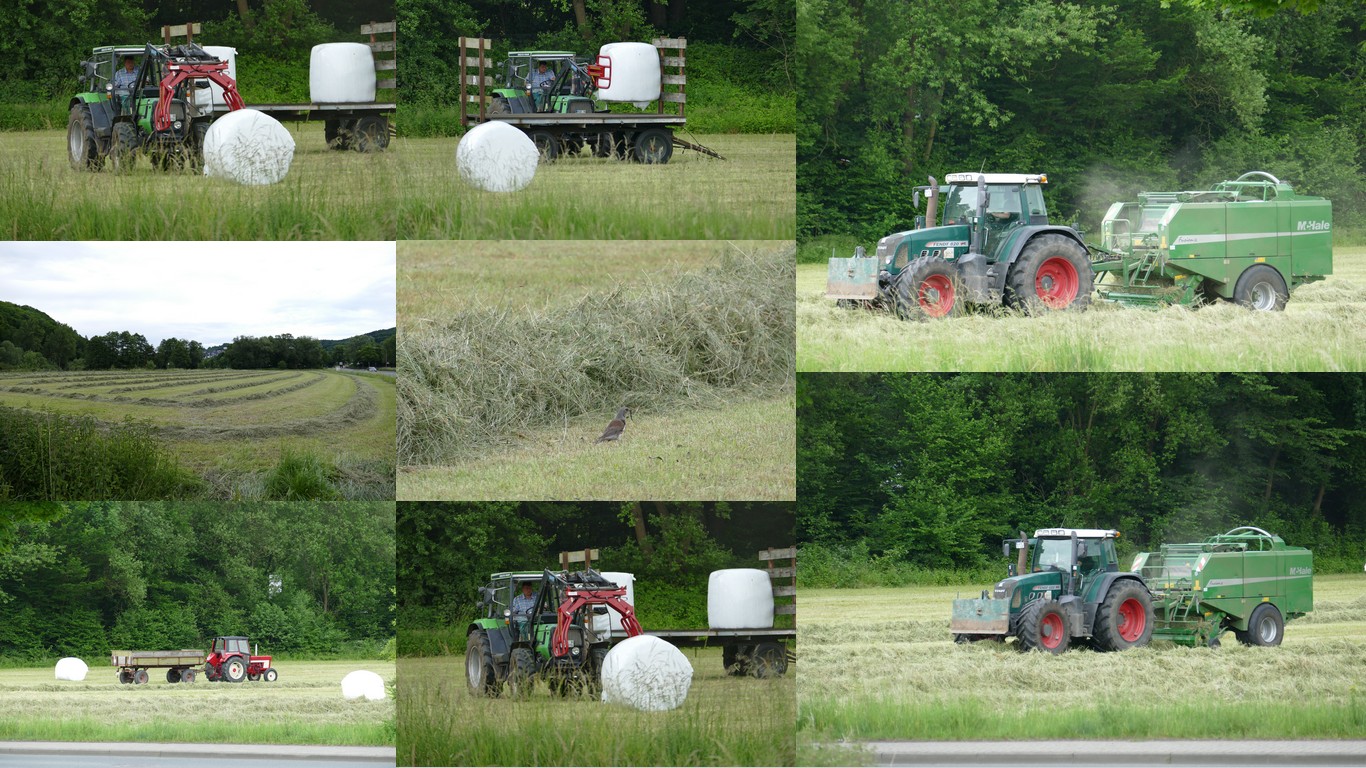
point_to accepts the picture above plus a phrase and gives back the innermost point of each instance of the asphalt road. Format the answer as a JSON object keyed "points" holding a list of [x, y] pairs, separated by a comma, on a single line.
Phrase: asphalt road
{"points": [[1131, 754], [61, 754]]}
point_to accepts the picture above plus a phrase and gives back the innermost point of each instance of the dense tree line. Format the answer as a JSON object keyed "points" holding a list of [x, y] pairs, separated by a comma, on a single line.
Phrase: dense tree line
{"points": [[300, 578], [935, 470], [1108, 99], [30, 340], [283, 351], [374, 348]]}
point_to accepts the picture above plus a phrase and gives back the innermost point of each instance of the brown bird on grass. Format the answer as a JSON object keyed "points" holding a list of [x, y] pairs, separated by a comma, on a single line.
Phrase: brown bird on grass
{"points": [[615, 426]]}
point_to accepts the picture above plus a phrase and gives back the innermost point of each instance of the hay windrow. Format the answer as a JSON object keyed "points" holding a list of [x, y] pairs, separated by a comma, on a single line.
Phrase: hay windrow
{"points": [[475, 379], [362, 405], [179, 403]]}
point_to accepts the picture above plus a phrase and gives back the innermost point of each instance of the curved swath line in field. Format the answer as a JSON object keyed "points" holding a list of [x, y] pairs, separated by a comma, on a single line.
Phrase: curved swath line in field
{"points": [[251, 381], [363, 404], [144, 379], [183, 381], [214, 403], [168, 402]]}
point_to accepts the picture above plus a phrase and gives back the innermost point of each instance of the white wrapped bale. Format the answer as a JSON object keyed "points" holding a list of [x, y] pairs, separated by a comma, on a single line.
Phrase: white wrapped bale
{"points": [[71, 668], [214, 95], [632, 73], [363, 684], [740, 598], [612, 621], [341, 73], [496, 157], [646, 673], [249, 147]]}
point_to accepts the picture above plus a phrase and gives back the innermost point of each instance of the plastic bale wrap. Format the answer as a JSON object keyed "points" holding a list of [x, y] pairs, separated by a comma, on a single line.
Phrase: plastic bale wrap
{"points": [[632, 73], [602, 625], [646, 673], [363, 684], [341, 73], [496, 157], [248, 147], [71, 668], [740, 598], [204, 99]]}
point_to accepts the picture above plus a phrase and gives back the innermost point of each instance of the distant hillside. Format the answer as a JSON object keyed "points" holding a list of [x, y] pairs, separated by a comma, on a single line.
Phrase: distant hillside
{"points": [[376, 336], [31, 330]]}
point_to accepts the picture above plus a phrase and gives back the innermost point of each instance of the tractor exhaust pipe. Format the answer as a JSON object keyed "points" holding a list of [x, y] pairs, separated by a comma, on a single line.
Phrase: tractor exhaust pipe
{"points": [[931, 202]]}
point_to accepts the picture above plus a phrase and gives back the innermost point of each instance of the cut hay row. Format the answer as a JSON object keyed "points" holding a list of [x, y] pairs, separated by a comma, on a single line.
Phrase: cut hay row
{"points": [[362, 405], [476, 378], [105, 377], [171, 382], [176, 403]]}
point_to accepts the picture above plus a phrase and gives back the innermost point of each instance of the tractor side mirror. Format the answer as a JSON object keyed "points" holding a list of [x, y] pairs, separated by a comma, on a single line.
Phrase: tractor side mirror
{"points": [[916, 199]]}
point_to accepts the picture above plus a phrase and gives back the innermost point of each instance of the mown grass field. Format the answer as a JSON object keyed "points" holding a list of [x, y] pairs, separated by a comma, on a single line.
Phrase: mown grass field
{"points": [[750, 194], [1322, 329], [327, 195], [304, 706], [879, 664], [231, 426], [724, 721], [687, 438]]}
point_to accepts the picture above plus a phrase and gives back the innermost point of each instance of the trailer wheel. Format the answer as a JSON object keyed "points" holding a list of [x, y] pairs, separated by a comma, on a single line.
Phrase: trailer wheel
{"points": [[371, 134], [234, 670], [125, 676], [173, 675], [1265, 627], [337, 133], [768, 660], [479, 671], [1261, 288], [187, 676], [736, 659], [653, 146], [1052, 272], [929, 287], [140, 677], [521, 673], [1044, 627], [1125, 617], [83, 147], [547, 145]]}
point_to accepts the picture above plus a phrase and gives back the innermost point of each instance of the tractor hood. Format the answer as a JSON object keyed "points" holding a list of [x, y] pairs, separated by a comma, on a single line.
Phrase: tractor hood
{"points": [[897, 250], [1025, 588]]}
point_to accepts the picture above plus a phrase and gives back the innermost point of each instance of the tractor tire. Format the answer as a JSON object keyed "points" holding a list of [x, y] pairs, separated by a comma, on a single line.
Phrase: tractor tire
{"points": [[83, 146], [1265, 627], [187, 676], [1261, 288], [736, 660], [270, 675], [337, 133], [371, 134], [769, 660], [480, 673], [1124, 619], [126, 676], [1051, 273], [929, 287], [596, 658], [521, 673], [173, 675], [1043, 627], [498, 105], [123, 148], [547, 145], [235, 669], [140, 677], [653, 146]]}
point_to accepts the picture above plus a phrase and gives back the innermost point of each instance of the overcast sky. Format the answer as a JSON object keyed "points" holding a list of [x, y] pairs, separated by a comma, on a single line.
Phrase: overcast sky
{"points": [[206, 292]]}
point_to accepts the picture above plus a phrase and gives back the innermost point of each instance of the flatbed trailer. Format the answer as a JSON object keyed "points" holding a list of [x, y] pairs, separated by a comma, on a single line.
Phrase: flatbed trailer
{"points": [[179, 665]]}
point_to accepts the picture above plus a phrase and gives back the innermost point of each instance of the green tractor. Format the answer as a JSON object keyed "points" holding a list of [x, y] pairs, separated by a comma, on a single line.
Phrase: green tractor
{"points": [[1072, 588], [564, 87], [153, 113], [992, 244], [556, 640]]}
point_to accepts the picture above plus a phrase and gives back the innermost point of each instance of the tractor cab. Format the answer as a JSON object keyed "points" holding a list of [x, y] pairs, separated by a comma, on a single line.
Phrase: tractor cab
{"points": [[567, 86], [97, 72]]}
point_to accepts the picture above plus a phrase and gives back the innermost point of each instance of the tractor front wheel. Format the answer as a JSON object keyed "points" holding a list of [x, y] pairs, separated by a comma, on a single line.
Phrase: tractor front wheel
{"points": [[653, 146], [479, 671], [270, 675], [1265, 627], [1052, 272], [521, 673], [235, 670], [1261, 288], [596, 659], [768, 660], [83, 147], [123, 149], [1043, 626], [1125, 617], [929, 287]]}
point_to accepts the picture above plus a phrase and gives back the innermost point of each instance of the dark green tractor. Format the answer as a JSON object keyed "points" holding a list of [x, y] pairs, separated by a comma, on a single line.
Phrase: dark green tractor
{"points": [[556, 641], [1072, 588], [115, 121]]}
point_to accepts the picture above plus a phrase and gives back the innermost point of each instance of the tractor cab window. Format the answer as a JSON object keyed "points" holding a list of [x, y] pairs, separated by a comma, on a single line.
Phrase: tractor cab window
{"points": [[502, 595], [1093, 556], [960, 204], [1053, 553], [1034, 199], [237, 645], [1003, 203]]}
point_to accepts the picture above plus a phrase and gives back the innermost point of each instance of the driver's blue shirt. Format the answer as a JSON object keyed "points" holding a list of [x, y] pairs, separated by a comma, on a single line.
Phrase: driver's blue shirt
{"points": [[522, 606], [123, 79], [539, 78]]}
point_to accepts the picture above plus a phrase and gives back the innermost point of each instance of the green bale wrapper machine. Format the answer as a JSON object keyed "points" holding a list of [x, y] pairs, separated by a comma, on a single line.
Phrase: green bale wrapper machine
{"points": [[1247, 580]]}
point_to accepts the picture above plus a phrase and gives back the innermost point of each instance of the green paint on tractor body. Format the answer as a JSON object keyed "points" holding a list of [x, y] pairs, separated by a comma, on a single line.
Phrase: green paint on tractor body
{"points": [[1252, 240], [570, 90], [1246, 581]]}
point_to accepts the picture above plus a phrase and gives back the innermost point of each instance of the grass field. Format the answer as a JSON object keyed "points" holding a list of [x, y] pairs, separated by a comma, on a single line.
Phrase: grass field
{"points": [[750, 194], [231, 426], [328, 195], [725, 721], [304, 706], [1322, 329], [879, 664]]}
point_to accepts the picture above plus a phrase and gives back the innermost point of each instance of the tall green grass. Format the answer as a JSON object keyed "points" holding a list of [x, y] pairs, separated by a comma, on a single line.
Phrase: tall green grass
{"points": [[45, 455]]}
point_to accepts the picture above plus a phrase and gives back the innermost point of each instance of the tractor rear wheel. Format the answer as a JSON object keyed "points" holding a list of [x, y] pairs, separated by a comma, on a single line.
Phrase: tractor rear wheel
{"points": [[1261, 288], [479, 670], [1265, 627], [768, 660], [1044, 627], [521, 673], [1052, 272], [547, 145], [1125, 617], [235, 669], [653, 146], [929, 287], [83, 147]]}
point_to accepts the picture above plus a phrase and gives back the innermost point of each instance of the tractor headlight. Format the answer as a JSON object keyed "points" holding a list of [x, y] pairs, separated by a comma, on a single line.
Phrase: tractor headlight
{"points": [[574, 650]]}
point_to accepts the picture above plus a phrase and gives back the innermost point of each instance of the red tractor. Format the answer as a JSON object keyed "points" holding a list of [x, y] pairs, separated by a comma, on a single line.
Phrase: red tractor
{"points": [[231, 659]]}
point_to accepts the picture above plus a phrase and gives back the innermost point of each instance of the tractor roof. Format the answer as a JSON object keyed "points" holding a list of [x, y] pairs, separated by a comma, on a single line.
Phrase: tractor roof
{"points": [[134, 49], [541, 54], [518, 575], [998, 178], [1082, 533]]}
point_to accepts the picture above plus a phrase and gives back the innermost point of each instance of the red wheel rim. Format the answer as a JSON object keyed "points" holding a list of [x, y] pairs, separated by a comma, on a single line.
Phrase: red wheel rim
{"points": [[1050, 631], [936, 295], [1056, 282], [1132, 620]]}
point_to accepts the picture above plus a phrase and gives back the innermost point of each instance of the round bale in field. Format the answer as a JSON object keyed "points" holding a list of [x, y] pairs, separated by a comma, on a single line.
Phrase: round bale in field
{"points": [[739, 598], [646, 673], [496, 157], [248, 147], [363, 684], [71, 668]]}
